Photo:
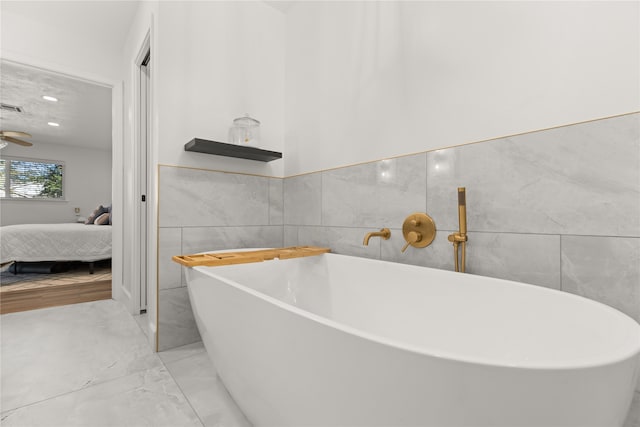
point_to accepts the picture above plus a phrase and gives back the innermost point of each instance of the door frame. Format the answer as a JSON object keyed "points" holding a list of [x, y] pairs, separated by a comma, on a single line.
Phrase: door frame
{"points": [[142, 176], [140, 180]]}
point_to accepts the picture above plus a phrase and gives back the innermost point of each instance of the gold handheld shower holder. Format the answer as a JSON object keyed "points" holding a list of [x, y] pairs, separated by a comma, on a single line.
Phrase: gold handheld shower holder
{"points": [[460, 238]]}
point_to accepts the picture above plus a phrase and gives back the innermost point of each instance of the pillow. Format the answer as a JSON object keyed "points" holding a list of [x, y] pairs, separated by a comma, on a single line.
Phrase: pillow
{"points": [[96, 213], [109, 211], [102, 219]]}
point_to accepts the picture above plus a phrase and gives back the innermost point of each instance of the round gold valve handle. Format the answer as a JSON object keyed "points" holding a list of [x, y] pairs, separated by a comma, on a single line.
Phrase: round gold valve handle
{"points": [[418, 230]]}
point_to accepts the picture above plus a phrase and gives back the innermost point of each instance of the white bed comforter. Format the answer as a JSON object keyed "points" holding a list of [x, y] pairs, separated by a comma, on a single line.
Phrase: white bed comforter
{"points": [[55, 242]]}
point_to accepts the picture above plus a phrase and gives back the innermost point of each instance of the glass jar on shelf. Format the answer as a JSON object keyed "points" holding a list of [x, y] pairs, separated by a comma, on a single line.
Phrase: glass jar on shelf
{"points": [[245, 131]]}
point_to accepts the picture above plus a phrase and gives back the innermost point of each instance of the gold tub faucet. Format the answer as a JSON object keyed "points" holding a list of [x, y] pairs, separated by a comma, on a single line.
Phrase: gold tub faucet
{"points": [[385, 233]]}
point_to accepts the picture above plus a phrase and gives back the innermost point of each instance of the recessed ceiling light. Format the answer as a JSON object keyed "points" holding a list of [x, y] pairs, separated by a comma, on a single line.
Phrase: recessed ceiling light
{"points": [[50, 98], [53, 124]]}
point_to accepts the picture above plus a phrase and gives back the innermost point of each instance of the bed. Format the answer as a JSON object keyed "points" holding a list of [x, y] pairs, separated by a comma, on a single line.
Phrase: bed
{"points": [[55, 242]]}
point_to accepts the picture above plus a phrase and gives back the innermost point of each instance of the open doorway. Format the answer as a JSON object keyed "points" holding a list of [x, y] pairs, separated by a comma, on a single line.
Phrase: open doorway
{"points": [[53, 180]]}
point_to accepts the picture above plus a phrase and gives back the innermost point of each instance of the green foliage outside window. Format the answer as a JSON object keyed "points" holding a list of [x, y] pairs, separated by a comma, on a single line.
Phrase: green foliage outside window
{"points": [[29, 179]]}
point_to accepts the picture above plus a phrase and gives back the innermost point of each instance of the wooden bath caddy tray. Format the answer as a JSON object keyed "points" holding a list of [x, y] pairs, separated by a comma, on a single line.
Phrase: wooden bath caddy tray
{"points": [[228, 258]]}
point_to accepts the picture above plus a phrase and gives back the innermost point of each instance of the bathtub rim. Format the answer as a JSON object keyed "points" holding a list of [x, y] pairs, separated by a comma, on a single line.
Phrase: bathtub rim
{"points": [[442, 355]]}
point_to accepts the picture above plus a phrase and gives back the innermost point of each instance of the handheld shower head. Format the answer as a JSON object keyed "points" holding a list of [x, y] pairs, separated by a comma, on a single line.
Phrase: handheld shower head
{"points": [[462, 196], [462, 210]]}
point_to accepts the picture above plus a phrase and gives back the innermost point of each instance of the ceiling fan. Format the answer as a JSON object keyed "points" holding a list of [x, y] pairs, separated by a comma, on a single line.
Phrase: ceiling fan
{"points": [[12, 136]]}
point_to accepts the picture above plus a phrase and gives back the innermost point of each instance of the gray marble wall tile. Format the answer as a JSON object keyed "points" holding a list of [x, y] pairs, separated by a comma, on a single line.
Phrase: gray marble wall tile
{"points": [[379, 194], [303, 199], [191, 197], [202, 211], [202, 239], [176, 324], [605, 269], [527, 258], [341, 240], [290, 235], [276, 201], [170, 244], [580, 179]]}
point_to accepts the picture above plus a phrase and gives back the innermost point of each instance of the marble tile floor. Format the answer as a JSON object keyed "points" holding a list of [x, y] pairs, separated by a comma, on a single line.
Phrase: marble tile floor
{"points": [[90, 364]]}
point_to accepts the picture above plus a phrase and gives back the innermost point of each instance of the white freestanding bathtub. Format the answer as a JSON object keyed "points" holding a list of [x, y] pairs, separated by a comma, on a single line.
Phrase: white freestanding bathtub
{"points": [[334, 340]]}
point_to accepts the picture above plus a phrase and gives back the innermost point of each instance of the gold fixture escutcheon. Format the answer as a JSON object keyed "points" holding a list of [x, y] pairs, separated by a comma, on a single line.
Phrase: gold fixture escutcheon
{"points": [[418, 230]]}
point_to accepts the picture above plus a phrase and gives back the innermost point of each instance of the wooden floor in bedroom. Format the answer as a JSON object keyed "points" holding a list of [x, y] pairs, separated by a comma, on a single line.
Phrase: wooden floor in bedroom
{"points": [[56, 289]]}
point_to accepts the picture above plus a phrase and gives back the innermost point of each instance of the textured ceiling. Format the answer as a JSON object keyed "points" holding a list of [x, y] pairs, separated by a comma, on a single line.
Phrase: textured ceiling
{"points": [[83, 109]]}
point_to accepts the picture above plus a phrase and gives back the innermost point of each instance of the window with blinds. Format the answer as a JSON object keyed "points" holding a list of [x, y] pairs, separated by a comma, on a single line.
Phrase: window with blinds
{"points": [[31, 179]]}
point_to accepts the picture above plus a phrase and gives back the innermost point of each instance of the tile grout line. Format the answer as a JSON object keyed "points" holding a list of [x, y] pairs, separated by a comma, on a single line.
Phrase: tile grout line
{"points": [[474, 231], [269, 201], [180, 388], [561, 275], [532, 233], [183, 280], [321, 199], [89, 386]]}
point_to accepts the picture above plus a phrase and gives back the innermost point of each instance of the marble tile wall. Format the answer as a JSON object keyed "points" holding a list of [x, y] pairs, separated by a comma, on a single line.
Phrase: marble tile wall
{"points": [[558, 208], [202, 210]]}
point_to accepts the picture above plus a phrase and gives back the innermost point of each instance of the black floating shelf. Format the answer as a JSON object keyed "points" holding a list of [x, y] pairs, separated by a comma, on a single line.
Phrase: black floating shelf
{"points": [[231, 150]]}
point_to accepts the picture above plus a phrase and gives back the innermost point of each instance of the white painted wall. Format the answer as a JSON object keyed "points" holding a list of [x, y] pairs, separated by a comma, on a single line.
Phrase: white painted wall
{"points": [[369, 80], [216, 61], [87, 184], [57, 35]]}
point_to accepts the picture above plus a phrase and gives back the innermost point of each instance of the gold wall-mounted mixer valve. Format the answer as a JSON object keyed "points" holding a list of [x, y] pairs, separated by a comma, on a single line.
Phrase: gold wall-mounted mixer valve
{"points": [[418, 230]]}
